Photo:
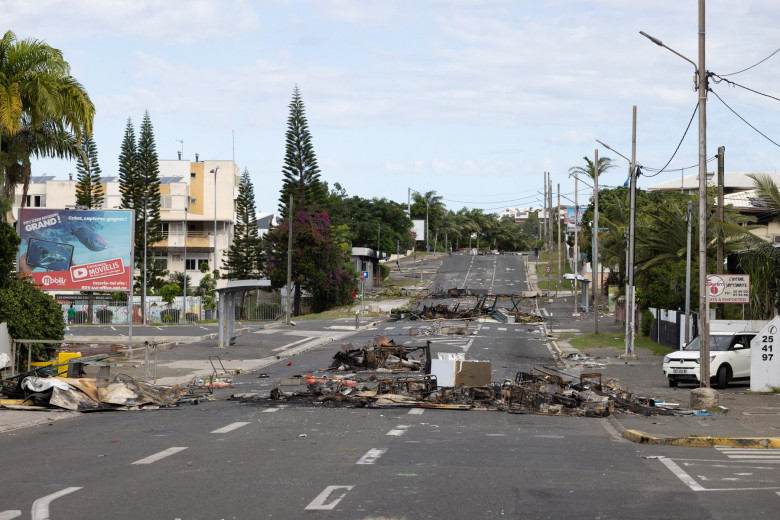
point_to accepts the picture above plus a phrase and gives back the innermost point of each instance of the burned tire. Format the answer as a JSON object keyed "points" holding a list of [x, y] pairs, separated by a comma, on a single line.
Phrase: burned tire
{"points": [[723, 376], [672, 383]]}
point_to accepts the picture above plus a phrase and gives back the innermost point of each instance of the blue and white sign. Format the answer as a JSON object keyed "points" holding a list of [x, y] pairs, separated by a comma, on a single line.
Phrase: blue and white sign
{"points": [[364, 275]]}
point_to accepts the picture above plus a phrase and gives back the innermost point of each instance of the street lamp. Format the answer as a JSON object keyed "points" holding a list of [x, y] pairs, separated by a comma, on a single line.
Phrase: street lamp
{"points": [[214, 171], [702, 85], [186, 232]]}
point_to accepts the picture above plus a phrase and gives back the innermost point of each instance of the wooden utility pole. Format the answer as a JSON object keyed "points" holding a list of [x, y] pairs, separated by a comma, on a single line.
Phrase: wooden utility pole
{"points": [[721, 176], [558, 218], [595, 263], [289, 256]]}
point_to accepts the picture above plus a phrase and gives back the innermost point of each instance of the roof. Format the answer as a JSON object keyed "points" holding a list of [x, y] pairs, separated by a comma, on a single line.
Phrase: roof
{"points": [[41, 179], [731, 181], [240, 286]]}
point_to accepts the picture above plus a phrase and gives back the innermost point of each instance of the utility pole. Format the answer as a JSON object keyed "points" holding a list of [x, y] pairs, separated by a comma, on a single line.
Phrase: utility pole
{"points": [[289, 256], [558, 218], [689, 220], [544, 208], [721, 175], [549, 216], [596, 283], [630, 298], [576, 250], [704, 319]]}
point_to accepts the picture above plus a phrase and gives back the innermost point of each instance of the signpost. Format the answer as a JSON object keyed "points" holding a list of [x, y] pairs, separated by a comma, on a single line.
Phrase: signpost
{"points": [[765, 358], [363, 278], [728, 288]]}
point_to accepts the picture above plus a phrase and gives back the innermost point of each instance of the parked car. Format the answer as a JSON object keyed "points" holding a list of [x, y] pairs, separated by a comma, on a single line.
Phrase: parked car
{"points": [[729, 360]]}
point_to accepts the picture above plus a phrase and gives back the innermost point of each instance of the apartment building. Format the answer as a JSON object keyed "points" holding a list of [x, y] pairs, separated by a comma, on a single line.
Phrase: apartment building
{"points": [[197, 210]]}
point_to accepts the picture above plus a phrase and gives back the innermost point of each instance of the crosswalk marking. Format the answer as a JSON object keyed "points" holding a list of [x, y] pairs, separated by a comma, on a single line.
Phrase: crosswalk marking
{"points": [[320, 502], [399, 430], [767, 455]]}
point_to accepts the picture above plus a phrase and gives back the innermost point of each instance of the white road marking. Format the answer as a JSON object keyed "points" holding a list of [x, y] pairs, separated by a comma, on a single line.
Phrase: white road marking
{"points": [[485, 327], [10, 515], [320, 502], [290, 345], [544, 311], [160, 455], [399, 430], [389, 328], [502, 328], [682, 475], [269, 410], [40, 508], [230, 427], [495, 434], [416, 411], [371, 456]]}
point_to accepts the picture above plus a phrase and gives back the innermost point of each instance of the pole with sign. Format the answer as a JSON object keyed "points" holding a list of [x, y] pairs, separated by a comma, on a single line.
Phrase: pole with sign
{"points": [[363, 278], [765, 359]]}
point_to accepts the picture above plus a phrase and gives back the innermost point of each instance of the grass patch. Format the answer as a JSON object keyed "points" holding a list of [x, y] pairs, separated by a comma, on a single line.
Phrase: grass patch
{"points": [[617, 341]]}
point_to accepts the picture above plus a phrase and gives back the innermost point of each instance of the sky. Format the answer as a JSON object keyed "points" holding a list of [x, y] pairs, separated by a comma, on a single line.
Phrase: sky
{"points": [[472, 99]]}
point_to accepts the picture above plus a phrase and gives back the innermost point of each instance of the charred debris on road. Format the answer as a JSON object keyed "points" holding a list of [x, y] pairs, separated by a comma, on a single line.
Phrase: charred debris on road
{"points": [[383, 374]]}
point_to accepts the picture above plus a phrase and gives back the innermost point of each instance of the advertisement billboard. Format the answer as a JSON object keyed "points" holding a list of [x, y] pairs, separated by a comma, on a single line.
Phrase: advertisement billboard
{"points": [[81, 250], [728, 288], [571, 224], [418, 230]]}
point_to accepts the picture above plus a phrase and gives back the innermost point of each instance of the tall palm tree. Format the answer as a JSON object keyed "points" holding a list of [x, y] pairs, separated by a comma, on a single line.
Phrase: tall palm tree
{"points": [[605, 163], [40, 100]]}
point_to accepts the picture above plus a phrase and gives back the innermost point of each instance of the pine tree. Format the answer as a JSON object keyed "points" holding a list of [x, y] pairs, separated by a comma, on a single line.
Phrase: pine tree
{"points": [[243, 258], [147, 181], [127, 172], [300, 170], [89, 192]]}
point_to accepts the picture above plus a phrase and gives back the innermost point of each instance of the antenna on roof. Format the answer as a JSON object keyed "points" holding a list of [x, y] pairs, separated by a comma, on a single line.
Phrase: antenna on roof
{"points": [[181, 152]]}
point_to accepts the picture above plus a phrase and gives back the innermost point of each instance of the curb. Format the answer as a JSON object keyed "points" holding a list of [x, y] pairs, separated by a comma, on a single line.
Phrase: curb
{"points": [[695, 441]]}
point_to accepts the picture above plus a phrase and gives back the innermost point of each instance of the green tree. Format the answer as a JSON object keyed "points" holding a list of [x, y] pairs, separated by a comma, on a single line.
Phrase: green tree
{"points": [[319, 265], [9, 246], [605, 163], [300, 171], [89, 191], [44, 111], [139, 183], [244, 260]]}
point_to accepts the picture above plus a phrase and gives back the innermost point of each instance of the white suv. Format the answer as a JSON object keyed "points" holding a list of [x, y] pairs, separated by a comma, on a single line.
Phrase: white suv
{"points": [[729, 360]]}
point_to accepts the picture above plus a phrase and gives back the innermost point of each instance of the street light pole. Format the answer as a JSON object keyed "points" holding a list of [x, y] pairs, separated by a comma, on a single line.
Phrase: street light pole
{"points": [[595, 264], [702, 86], [214, 171]]}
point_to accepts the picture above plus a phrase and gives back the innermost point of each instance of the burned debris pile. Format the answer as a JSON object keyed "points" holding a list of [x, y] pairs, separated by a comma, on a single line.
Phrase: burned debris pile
{"points": [[468, 306], [387, 375]]}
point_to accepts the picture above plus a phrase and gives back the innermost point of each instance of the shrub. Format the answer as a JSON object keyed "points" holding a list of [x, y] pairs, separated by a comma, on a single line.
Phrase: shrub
{"points": [[646, 322], [170, 315], [31, 314], [384, 271], [105, 315]]}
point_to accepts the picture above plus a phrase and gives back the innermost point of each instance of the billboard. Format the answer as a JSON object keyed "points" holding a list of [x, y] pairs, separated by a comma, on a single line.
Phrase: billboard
{"points": [[728, 288], [418, 230], [571, 225], [81, 250]]}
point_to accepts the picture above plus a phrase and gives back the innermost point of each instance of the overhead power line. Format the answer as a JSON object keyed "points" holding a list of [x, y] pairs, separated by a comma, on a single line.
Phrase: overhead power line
{"points": [[745, 120], [754, 65]]}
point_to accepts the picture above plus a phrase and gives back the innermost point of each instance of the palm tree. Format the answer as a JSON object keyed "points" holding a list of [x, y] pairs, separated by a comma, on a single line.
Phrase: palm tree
{"points": [[44, 111], [605, 163]]}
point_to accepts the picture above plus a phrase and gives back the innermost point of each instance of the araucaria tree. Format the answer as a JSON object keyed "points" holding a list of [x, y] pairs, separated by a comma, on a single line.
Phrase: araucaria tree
{"points": [[244, 260], [300, 170], [89, 192], [139, 183]]}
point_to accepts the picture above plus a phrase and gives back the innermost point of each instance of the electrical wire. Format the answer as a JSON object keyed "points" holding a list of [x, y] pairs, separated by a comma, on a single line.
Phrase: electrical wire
{"points": [[744, 120], [754, 65], [735, 84], [678, 144]]}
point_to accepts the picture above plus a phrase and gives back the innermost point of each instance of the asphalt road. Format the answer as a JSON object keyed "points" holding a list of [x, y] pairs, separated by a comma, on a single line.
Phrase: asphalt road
{"points": [[229, 459]]}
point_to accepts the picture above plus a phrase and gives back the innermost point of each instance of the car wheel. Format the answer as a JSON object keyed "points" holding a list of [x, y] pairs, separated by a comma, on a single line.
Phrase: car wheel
{"points": [[672, 383], [722, 379]]}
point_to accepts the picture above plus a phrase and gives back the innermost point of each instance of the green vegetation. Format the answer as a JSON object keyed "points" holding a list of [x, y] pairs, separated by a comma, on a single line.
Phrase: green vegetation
{"points": [[616, 341]]}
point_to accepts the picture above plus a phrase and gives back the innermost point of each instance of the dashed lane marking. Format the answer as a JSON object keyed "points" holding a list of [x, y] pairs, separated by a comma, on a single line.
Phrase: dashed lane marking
{"points": [[371, 456], [10, 515], [161, 455], [416, 411], [230, 427], [270, 410], [320, 503], [399, 430], [40, 508], [501, 328], [290, 345]]}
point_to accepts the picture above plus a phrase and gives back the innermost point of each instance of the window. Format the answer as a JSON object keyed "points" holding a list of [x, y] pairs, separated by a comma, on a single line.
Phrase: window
{"points": [[202, 262], [192, 175], [161, 260], [165, 227], [191, 264], [35, 201], [165, 202]]}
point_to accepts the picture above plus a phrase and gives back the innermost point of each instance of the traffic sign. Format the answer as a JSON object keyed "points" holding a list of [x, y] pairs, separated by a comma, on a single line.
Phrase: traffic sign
{"points": [[364, 275], [548, 269]]}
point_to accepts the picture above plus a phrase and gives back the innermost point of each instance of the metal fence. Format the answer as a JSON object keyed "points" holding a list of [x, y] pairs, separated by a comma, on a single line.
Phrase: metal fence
{"points": [[259, 305]]}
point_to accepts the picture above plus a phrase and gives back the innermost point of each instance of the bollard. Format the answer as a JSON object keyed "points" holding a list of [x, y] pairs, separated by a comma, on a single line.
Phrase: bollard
{"points": [[357, 320]]}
